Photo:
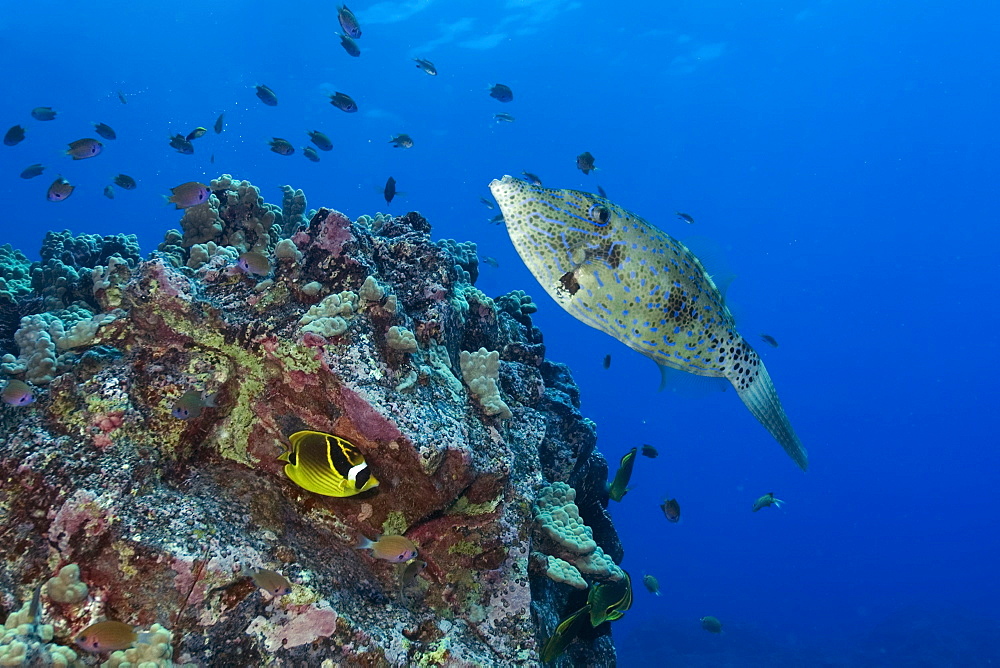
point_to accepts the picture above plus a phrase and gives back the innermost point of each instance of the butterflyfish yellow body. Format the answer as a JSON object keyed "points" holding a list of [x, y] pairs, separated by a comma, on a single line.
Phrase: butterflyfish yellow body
{"points": [[327, 464]]}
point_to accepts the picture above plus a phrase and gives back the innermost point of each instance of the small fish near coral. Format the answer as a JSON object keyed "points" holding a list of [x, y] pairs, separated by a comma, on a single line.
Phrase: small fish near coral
{"points": [[326, 464], [254, 262], [17, 393], [394, 549], [191, 404], [109, 636], [619, 486], [188, 194], [273, 582]]}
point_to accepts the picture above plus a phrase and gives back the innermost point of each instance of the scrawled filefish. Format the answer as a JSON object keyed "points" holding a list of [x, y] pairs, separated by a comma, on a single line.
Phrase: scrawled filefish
{"points": [[614, 271]]}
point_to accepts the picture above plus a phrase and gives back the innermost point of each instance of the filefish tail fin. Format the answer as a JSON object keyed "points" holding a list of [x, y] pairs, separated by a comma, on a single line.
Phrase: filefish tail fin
{"points": [[762, 400]]}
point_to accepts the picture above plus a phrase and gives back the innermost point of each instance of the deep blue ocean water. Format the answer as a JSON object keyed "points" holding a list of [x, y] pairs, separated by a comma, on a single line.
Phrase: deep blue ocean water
{"points": [[840, 156]]}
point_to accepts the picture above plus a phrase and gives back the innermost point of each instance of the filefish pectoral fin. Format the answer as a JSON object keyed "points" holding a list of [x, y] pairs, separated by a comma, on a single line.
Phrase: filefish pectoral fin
{"points": [[762, 399]]}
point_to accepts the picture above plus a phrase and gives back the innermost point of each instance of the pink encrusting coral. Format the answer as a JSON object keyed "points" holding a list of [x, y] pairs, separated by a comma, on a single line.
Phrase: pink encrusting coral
{"points": [[166, 516]]}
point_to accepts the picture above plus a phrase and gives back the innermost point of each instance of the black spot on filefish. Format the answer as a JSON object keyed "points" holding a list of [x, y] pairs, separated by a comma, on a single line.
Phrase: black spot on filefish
{"points": [[569, 283]]}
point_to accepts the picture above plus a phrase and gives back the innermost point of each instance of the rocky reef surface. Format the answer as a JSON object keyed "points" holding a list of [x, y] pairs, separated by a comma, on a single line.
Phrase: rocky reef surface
{"points": [[368, 330]]}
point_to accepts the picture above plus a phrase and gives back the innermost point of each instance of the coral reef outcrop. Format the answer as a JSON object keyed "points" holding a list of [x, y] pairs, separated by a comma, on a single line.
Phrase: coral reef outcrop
{"points": [[368, 330]]}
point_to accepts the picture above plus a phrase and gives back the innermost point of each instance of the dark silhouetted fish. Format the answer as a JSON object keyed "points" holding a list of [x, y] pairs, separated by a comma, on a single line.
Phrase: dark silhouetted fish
{"points": [[350, 46], [426, 66], [43, 113], [281, 146], [322, 142], [219, 124], [343, 102], [390, 190], [585, 162], [501, 92], [267, 96], [14, 136]]}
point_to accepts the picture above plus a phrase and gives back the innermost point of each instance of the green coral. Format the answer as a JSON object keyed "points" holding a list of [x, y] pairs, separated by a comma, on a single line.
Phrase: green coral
{"points": [[395, 524]]}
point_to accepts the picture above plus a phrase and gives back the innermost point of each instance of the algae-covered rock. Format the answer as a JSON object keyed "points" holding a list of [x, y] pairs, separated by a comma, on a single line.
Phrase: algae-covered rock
{"points": [[363, 332]]}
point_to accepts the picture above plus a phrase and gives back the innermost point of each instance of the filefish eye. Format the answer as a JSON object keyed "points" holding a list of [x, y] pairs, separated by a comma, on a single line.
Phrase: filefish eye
{"points": [[599, 214]]}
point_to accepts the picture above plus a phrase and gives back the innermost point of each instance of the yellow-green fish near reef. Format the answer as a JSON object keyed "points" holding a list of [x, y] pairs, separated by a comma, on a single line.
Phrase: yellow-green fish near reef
{"points": [[617, 273], [327, 464], [619, 486]]}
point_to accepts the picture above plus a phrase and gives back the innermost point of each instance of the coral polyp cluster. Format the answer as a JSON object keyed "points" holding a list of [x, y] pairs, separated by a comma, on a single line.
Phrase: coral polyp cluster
{"points": [[365, 329]]}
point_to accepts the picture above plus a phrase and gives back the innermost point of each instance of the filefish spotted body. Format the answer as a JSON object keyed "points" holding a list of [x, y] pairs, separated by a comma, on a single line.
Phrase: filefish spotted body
{"points": [[326, 464], [617, 273]]}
